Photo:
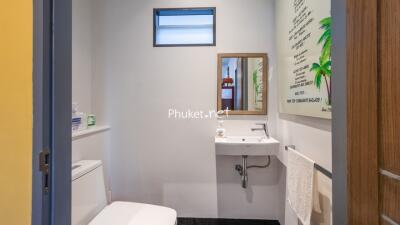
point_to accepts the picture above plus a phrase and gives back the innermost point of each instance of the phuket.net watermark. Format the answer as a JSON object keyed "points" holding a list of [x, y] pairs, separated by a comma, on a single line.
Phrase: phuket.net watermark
{"points": [[196, 114]]}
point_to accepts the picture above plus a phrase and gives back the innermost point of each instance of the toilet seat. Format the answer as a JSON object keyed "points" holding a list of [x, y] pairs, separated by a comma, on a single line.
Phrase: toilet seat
{"points": [[130, 213]]}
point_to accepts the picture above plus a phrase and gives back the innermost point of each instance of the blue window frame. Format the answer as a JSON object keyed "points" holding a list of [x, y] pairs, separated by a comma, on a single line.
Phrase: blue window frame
{"points": [[184, 27]]}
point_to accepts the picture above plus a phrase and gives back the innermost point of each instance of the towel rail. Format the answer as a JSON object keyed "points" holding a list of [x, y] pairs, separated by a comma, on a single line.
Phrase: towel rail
{"points": [[316, 166]]}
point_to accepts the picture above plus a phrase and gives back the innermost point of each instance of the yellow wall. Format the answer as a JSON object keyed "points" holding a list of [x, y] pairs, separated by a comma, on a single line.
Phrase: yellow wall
{"points": [[15, 111]]}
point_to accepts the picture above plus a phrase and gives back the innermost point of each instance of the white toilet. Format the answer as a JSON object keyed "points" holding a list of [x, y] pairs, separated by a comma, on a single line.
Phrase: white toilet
{"points": [[89, 203]]}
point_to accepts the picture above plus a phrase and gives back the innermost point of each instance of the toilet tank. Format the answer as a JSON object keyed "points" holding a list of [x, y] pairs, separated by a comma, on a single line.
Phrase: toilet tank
{"points": [[88, 191]]}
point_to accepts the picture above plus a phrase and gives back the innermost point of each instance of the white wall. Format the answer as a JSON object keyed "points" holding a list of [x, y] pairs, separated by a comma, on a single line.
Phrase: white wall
{"points": [[159, 160], [82, 54], [311, 136]]}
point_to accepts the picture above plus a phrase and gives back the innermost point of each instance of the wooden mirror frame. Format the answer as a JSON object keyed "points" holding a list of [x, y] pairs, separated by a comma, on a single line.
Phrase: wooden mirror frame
{"points": [[264, 56]]}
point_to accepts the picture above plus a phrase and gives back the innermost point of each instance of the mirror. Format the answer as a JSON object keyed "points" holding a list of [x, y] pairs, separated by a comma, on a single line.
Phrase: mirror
{"points": [[242, 83]]}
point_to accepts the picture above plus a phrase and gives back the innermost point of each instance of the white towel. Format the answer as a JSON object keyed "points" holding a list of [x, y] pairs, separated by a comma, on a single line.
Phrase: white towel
{"points": [[316, 205], [300, 182]]}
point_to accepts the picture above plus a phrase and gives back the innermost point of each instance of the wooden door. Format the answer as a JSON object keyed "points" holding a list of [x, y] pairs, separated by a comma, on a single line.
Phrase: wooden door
{"points": [[373, 112], [389, 110], [362, 109]]}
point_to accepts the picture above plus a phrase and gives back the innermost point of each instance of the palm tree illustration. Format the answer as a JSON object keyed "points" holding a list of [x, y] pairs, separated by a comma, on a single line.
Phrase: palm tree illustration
{"points": [[322, 69], [326, 38]]}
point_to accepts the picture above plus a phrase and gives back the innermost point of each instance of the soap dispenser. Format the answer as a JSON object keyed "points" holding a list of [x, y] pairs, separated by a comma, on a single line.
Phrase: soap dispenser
{"points": [[220, 129]]}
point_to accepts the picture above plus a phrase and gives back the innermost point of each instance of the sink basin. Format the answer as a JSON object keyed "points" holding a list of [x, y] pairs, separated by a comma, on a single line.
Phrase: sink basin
{"points": [[246, 145]]}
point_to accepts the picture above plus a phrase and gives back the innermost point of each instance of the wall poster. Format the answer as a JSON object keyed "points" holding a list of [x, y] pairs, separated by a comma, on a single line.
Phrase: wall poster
{"points": [[304, 57]]}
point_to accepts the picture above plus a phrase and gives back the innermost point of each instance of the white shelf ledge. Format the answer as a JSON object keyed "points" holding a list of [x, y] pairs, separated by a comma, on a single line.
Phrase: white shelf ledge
{"points": [[89, 132]]}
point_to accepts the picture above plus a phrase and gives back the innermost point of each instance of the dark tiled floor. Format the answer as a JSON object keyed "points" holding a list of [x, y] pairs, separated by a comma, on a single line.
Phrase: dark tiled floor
{"points": [[196, 221]]}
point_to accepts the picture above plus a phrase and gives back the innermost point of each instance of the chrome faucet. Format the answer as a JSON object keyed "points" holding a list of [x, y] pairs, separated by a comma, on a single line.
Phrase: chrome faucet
{"points": [[264, 128]]}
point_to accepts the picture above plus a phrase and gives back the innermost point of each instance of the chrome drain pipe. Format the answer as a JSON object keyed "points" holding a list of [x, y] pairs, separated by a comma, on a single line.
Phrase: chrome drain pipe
{"points": [[242, 169], [245, 177]]}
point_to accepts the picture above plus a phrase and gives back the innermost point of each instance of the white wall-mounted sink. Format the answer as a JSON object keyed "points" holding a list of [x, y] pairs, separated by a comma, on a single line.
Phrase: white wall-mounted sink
{"points": [[246, 145]]}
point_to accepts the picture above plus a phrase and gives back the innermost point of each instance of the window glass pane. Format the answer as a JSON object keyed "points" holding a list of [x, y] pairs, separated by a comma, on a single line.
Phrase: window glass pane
{"points": [[195, 20], [184, 27], [185, 36]]}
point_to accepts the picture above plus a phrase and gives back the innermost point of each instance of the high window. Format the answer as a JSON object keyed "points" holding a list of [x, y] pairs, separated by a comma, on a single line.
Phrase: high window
{"points": [[184, 27]]}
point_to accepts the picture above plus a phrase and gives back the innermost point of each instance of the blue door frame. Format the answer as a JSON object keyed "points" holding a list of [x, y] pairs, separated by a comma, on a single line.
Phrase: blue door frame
{"points": [[52, 80]]}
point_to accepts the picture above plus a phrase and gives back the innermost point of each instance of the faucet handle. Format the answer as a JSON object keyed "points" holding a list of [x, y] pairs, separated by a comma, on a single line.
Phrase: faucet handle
{"points": [[261, 124]]}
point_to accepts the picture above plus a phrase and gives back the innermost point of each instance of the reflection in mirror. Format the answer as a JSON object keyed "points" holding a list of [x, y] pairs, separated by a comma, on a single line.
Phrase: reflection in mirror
{"points": [[242, 82]]}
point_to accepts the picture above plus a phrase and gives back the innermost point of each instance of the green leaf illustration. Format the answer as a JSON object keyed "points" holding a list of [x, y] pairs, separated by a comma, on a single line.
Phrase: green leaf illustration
{"points": [[322, 69]]}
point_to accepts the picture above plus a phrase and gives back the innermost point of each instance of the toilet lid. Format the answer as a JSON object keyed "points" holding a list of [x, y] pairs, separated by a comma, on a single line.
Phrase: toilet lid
{"points": [[130, 213]]}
